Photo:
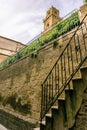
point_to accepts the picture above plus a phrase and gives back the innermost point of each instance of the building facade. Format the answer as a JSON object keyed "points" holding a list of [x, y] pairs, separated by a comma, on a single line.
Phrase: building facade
{"points": [[8, 47]]}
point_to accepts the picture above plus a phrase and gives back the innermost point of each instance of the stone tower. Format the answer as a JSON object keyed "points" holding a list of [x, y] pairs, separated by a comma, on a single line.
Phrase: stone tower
{"points": [[52, 17]]}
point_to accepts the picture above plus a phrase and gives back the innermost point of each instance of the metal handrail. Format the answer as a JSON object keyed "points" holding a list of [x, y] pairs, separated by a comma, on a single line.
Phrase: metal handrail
{"points": [[68, 63]]}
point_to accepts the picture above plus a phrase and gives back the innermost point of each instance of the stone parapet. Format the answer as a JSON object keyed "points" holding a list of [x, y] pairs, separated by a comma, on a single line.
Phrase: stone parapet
{"points": [[83, 12]]}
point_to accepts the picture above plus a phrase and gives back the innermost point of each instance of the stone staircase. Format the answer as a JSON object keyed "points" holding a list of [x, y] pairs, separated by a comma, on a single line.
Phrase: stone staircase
{"points": [[63, 88], [62, 116]]}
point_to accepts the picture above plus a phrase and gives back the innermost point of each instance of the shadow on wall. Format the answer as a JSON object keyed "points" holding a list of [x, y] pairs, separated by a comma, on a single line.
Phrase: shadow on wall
{"points": [[16, 104]]}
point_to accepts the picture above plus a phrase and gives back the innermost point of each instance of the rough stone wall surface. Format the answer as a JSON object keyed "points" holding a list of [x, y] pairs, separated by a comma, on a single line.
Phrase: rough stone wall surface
{"points": [[20, 84], [83, 12], [81, 118]]}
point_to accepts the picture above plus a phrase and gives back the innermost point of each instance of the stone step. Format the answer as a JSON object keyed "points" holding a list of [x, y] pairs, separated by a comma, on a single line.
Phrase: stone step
{"points": [[62, 115], [54, 107], [43, 125], [77, 93], [69, 106], [58, 115], [48, 121], [37, 128]]}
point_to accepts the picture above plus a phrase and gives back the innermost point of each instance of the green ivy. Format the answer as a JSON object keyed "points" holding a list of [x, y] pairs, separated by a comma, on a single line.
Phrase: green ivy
{"points": [[85, 1], [54, 44], [34, 54], [60, 29]]}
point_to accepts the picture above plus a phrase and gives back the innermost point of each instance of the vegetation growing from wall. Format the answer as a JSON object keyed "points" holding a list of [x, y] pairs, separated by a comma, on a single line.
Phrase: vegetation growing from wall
{"points": [[60, 29], [54, 44], [85, 1]]}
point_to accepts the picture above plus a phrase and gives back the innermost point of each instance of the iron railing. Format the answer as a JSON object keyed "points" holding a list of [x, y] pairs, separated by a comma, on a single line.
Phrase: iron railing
{"points": [[64, 69]]}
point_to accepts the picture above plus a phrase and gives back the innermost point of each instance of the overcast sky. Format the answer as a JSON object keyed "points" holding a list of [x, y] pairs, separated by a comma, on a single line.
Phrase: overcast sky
{"points": [[21, 20]]}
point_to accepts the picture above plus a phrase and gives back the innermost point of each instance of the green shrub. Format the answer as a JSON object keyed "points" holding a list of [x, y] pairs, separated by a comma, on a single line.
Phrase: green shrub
{"points": [[85, 1], [54, 44]]}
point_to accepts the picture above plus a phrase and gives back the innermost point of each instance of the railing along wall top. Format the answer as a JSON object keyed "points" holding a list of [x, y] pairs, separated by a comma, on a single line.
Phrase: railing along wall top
{"points": [[41, 34]]}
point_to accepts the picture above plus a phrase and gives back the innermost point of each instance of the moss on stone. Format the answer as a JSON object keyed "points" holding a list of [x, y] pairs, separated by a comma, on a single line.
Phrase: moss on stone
{"points": [[17, 105]]}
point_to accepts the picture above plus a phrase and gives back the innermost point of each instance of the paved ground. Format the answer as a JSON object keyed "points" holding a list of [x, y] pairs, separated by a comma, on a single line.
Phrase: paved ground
{"points": [[2, 127]]}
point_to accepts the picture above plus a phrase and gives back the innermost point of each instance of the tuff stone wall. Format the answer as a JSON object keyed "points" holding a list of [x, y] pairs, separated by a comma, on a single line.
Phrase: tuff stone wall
{"points": [[83, 11], [20, 83]]}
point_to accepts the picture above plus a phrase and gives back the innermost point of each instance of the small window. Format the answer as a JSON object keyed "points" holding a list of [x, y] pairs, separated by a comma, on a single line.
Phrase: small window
{"points": [[48, 12], [55, 12], [47, 24]]}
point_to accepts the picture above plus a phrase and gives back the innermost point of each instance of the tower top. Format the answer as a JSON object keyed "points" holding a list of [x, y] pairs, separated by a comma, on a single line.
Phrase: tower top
{"points": [[52, 11], [52, 17]]}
